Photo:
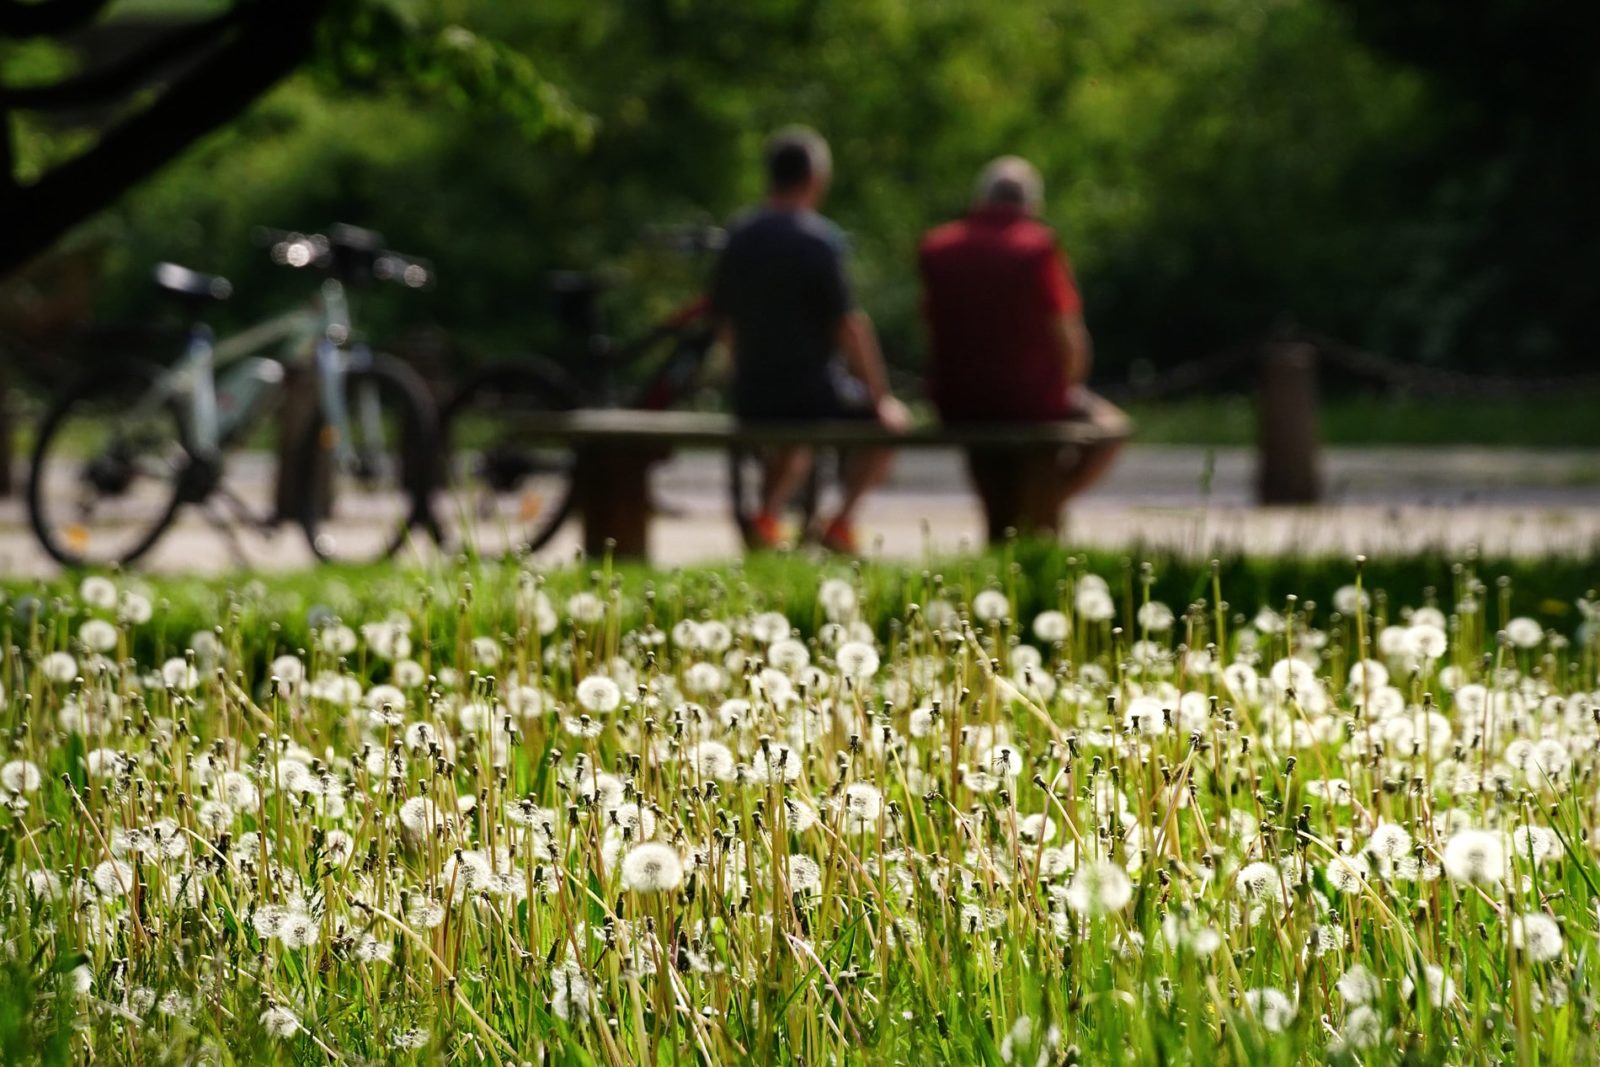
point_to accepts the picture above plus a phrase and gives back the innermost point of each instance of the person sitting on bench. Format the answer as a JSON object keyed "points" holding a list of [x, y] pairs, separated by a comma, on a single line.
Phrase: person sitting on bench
{"points": [[1008, 344], [787, 316]]}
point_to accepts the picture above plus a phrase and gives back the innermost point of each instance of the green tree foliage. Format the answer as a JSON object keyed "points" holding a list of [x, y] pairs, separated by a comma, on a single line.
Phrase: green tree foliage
{"points": [[1214, 166]]}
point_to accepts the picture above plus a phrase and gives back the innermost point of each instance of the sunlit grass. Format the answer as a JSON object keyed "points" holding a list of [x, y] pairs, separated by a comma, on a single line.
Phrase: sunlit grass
{"points": [[1027, 808]]}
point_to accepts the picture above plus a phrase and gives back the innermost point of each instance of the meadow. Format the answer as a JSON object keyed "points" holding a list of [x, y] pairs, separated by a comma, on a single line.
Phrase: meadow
{"points": [[1028, 808]]}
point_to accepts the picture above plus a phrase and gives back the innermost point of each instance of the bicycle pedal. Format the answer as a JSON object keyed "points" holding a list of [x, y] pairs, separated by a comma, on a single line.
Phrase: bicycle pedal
{"points": [[198, 478]]}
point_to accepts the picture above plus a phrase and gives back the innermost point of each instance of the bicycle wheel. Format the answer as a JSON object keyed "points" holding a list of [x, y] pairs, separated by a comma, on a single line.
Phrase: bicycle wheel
{"points": [[505, 491], [367, 478], [110, 468]]}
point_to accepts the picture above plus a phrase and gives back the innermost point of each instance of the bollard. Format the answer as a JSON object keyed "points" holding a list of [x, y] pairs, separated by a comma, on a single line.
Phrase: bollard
{"points": [[1289, 463]]}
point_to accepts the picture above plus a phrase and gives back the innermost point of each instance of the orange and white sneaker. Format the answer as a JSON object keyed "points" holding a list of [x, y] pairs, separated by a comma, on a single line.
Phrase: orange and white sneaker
{"points": [[840, 536], [765, 530]]}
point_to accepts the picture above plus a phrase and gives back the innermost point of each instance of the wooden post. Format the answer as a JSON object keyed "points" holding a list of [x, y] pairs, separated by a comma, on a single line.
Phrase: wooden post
{"points": [[295, 415], [1289, 464], [612, 487]]}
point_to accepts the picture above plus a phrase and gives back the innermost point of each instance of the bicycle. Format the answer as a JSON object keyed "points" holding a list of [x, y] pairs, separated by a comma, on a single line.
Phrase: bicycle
{"points": [[509, 490], [122, 452]]}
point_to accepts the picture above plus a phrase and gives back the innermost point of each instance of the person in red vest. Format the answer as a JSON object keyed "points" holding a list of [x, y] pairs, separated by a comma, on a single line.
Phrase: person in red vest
{"points": [[1008, 344]]}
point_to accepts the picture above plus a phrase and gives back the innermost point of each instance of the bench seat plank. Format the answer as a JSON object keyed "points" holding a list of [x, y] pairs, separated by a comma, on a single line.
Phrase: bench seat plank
{"points": [[707, 429]]}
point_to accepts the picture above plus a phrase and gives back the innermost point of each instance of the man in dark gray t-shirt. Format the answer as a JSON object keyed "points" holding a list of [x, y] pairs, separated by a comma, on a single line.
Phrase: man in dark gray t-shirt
{"points": [[801, 349]]}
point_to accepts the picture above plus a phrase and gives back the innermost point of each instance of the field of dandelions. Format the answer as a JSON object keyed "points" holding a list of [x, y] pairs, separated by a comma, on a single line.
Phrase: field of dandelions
{"points": [[474, 817]]}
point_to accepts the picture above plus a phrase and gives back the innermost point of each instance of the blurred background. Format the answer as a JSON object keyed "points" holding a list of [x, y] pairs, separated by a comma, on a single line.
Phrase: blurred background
{"points": [[1409, 184], [1413, 179]]}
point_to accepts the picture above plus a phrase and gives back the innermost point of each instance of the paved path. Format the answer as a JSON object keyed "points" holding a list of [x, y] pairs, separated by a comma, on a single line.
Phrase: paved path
{"points": [[1189, 499]]}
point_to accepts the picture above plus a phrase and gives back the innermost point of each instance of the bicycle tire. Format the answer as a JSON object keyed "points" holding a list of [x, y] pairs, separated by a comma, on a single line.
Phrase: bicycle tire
{"points": [[369, 528], [112, 387], [494, 398]]}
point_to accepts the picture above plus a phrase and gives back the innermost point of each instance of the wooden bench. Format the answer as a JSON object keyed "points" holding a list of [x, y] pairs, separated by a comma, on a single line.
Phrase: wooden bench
{"points": [[616, 448]]}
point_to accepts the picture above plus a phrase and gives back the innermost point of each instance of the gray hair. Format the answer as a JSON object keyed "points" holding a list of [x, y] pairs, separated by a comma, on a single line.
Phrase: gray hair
{"points": [[1011, 180]]}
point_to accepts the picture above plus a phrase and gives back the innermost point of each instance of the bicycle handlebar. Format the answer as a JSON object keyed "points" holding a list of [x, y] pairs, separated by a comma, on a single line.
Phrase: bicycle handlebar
{"points": [[687, 239], [349, 253]]}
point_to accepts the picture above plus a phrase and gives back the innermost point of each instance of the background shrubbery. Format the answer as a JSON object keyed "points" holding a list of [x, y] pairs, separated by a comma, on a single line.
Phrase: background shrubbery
{"points": [[1414, 178]]}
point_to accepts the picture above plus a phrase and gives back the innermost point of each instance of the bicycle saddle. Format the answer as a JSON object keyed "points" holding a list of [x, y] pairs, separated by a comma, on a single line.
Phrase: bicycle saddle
{"points": [[191, 283]]}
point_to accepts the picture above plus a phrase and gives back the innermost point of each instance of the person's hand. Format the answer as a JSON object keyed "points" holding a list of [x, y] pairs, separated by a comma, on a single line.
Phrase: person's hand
{"points": [[893, 415]]}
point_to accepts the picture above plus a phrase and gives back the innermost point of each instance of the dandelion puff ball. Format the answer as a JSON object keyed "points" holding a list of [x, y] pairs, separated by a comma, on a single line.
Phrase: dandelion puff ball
{"points": [[1272, 1006], [857, 659], [280, 1022], [599, 694], [1389, 841], [98, 592], [1156, 617], [991, 605], [652, 867], [1098, 888], [1051, 626], [1537, 935], [1524, 632], [21, 776], [1477, 857]]}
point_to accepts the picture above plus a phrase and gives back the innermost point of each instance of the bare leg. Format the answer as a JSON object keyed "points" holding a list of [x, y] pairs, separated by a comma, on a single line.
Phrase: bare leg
{"points": [[786, 468], [1091, 465], [863, 470]]}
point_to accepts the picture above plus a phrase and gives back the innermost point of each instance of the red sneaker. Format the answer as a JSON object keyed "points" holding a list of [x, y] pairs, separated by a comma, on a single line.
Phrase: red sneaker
{"points": [[840, 536], [765, 530]]}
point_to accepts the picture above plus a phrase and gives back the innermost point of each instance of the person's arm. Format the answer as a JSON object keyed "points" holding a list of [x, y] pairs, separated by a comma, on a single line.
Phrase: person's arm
{"points": [[858, 342], [1075, 346]]}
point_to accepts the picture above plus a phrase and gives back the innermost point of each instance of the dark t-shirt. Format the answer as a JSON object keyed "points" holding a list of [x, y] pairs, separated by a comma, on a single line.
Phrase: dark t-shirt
{"points": [[994, 288], [780, 282]]}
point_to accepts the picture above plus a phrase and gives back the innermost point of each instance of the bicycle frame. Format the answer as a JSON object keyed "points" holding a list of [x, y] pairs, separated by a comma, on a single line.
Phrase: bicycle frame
{"points": [[689, 326], [319, 330]]}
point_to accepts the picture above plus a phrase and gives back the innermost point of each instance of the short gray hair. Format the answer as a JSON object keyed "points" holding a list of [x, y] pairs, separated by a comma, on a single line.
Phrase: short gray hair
{"points": [[1011, 180]]}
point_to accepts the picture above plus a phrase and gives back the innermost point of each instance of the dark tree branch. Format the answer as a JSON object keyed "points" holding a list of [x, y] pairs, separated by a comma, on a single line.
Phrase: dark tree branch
{"points": [[18, 19], [120, 77], [269, 43]]}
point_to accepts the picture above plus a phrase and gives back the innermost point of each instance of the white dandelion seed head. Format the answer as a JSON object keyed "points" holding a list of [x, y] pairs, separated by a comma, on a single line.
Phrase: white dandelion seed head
{"points": [[599, 694], [1272, 1007], [1538, 936], [59, 667], [1477, 857], [1098, 888], [1052, 627], [1524, 632], [1389, 841], [98, 592], [1155, 617], [838, 599], [991, 605], [279, 1022], [652, 867], [857, 659]]}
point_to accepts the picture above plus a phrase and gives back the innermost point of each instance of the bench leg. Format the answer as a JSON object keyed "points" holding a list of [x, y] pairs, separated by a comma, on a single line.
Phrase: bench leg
{"points": [[611, 483]]}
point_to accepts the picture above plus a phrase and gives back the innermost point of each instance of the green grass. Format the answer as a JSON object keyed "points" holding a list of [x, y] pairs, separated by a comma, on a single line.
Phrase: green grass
{"points": [[280, 863], [1548, 422]]}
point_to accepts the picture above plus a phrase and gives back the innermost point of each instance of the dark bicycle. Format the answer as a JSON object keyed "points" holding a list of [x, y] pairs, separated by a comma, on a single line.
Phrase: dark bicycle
{"points": [[507, 489]]}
